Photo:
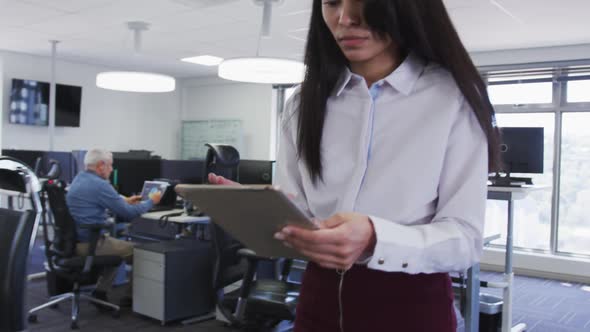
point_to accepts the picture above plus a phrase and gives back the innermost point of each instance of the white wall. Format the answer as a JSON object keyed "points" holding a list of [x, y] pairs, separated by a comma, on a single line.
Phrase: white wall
{"points": [[211, 98], [532, 55], [117, 121]]}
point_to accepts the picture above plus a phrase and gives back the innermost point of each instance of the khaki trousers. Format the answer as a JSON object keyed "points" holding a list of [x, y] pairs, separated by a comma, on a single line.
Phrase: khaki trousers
{"points": [[108, 246]]}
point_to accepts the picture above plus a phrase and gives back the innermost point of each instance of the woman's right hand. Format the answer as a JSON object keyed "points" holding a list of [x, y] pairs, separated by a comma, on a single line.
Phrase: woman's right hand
{"points": [[218, 179]]}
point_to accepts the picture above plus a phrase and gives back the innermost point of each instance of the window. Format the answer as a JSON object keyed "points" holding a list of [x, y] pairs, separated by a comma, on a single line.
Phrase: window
{"points": [[578, 91], [521, 93], [574, 199], [532, 215]]}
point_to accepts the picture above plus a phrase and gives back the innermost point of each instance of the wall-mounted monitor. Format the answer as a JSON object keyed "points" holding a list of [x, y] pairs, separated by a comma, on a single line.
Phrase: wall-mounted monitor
{"points": [[29, 103], [68, 99]]}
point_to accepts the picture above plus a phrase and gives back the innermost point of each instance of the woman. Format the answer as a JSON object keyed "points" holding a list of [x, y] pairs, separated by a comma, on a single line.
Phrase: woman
{"points": [[388, 143]]}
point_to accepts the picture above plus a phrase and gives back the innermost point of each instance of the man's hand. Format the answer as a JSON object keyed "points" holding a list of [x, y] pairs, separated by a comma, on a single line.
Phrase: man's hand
{"points": [[338, 244], [218, 179], [156, 197], [132, 199]]}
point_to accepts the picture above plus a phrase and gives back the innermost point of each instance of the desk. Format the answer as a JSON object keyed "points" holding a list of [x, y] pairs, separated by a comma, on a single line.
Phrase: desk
{"points": [[510, 194], [149, 226], [183, 219]]}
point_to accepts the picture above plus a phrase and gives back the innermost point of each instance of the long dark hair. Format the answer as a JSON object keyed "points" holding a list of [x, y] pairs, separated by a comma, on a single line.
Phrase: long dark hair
{"points": [[422, 26]]}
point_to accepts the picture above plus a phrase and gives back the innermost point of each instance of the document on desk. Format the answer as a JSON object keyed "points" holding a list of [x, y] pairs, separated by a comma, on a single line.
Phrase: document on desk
{"points": [[250, 214]]}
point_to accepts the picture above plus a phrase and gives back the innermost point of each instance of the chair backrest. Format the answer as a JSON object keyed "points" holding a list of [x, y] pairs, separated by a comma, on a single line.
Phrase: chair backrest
{"points": [[64, 240], [16, 228], [224, 160]]}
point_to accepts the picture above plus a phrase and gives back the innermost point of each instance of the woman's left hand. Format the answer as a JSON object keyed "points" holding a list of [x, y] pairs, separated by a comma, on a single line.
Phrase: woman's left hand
{"points": [[339, 242]]}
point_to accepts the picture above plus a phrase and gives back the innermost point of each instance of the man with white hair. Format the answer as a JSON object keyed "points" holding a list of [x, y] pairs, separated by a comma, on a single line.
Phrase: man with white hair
{"points": [[88, 198]]}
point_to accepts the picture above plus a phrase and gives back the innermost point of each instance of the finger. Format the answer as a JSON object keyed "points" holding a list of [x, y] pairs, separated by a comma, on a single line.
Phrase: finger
{"points": [[212, 178], [325, 236], [322, 248], [334, 221], [326, 261]]}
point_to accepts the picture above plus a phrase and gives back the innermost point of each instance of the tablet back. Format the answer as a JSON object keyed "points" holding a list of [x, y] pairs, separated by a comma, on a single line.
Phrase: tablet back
{"points": [[250, 214]]}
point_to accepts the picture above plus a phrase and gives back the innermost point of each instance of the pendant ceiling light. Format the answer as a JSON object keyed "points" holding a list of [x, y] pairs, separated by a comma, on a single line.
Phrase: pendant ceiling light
{"points": [[135, 81], [262, 69]]}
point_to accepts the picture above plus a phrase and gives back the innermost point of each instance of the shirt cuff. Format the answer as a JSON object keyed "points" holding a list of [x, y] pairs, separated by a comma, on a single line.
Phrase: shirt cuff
{"points": [[397, 248]]}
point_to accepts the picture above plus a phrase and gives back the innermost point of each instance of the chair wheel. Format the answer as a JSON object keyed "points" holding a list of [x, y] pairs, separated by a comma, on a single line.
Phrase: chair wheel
{"points": [[116, 314], [74, 326], [32, 318]]}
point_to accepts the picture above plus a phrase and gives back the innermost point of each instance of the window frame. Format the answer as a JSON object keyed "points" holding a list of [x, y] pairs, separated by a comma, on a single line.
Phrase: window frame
{"points": [[558, 107]]}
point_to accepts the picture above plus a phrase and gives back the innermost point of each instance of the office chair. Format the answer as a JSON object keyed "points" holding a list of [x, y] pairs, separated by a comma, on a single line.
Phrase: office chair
{"points": [[61, 258], [257, 304], [17, 229]]}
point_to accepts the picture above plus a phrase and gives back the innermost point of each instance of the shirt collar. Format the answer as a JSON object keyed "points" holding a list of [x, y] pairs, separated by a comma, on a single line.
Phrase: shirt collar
{"points": [[403, 78]]}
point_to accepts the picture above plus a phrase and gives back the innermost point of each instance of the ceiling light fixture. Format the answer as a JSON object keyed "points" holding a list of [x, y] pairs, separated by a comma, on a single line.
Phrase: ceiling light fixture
{"points": [[135, 81], [205, 60], [263, 69]]}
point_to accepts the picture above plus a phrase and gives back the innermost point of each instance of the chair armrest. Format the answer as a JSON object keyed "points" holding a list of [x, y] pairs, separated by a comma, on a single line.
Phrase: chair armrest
{"points": [[95, 227], [251, 255], [94, 237]]}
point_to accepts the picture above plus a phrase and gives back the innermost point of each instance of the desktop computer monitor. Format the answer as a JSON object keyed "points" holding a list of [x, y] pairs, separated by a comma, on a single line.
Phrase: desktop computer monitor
{"points": [[522, 151], [183, 171], [132, 173], [255, 171]]}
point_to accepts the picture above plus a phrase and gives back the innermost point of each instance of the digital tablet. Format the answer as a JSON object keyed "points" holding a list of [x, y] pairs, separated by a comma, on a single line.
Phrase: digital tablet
{"points": [[250, 214]]}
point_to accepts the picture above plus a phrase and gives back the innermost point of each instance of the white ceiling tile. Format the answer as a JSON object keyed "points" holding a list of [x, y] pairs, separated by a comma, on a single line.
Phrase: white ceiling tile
{"points": [[19, 14], [70, 6], [113, 14], [94, 31]]}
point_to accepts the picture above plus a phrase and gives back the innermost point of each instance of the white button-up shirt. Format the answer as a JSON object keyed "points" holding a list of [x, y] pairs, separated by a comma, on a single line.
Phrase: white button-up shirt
{"points": [[409, 153]]}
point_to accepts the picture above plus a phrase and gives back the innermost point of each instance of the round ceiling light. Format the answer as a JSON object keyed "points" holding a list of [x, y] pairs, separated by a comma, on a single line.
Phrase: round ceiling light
{"points": [[262, 70], [133, 81]]}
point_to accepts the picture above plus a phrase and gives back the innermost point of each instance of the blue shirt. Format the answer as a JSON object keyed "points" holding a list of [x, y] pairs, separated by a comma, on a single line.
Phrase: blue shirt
{"points": [[89, 197]]}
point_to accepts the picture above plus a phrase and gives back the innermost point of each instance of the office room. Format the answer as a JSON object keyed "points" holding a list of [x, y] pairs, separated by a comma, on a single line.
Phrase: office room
{"points": [[110, 220]]}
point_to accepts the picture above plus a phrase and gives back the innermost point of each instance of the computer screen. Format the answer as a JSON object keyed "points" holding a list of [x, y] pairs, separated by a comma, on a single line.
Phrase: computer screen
{"points": [[152, 187], [183, 171], [522, 149], [68, 99], [29, 103], [255, 171], [29, 157], [132, 173]]}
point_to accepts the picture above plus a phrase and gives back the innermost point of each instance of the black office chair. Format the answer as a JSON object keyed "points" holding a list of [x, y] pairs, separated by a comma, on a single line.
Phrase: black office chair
{"points": [[61, 258], [259, 304], [17, 229]]}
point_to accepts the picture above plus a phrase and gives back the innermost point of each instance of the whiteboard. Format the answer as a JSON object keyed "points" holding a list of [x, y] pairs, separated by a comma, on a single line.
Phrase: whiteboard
{"points": [[195, 134]]}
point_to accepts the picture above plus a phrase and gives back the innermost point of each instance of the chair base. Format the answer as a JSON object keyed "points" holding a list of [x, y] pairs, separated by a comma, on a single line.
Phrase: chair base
{"points": [[75, 297]]}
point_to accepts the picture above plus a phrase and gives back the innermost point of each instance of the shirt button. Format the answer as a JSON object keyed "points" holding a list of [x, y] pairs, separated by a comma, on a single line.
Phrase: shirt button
{"points": [[404, 265], [381, 261]]}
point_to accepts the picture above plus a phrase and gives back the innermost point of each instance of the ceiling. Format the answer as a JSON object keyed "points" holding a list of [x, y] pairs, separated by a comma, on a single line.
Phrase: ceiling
{"points": [[94, 31]]}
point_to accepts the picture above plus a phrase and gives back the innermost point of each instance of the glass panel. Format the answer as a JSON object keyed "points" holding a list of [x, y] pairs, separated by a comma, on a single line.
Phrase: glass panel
{"points": [[523, 93], [578, 91], [532, 215], [288, 93], [574, 214]]}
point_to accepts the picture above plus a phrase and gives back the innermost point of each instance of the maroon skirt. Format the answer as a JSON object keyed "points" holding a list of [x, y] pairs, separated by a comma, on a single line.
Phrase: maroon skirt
{"points": [[374, 301]]}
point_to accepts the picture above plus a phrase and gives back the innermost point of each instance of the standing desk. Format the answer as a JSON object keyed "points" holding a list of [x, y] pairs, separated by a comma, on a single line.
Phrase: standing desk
{"points": [[147, 226], [508, 194]]}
